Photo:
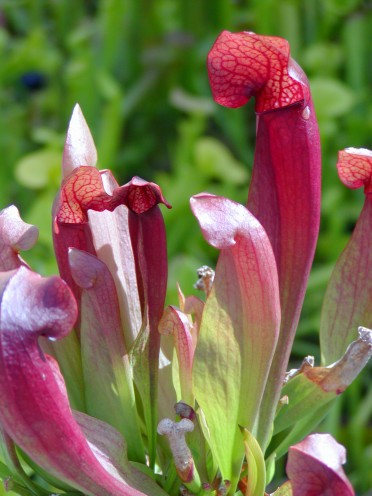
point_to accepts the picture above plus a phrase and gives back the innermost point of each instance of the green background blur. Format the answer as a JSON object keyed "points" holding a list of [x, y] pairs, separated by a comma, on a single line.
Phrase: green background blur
{"points": [[137, 69]]}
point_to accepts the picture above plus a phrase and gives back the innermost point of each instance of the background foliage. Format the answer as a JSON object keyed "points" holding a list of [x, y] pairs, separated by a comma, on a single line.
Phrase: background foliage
{"points": [[137, 68]]}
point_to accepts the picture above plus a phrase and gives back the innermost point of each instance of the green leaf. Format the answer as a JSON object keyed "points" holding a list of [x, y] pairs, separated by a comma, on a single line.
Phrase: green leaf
{"points": [[12, 470], [49, 480], [187, 102], [298, 431], [35, 169], [239, 327], [270, 467], [256, 478], [215, 161], [331, 97], [304, 395], [314, 387]]}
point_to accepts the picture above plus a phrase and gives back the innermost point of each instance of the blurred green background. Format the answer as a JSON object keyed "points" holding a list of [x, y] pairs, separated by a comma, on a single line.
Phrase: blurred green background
{"points": [[137, 68]]}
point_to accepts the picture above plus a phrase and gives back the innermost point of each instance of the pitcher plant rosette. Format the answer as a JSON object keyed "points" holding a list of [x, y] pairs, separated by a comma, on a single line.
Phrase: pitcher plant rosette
{"points": [[105, 392]]}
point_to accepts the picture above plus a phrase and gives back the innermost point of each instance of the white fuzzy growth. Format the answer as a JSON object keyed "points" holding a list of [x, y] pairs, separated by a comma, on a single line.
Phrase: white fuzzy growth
{"points": [[175, 432]]}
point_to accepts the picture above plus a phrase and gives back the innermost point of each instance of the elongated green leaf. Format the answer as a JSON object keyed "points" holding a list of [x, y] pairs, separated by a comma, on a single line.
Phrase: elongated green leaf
{"points": [[314, 387], [239, 327], [305, 395], [297, 432], [256, 478]]}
